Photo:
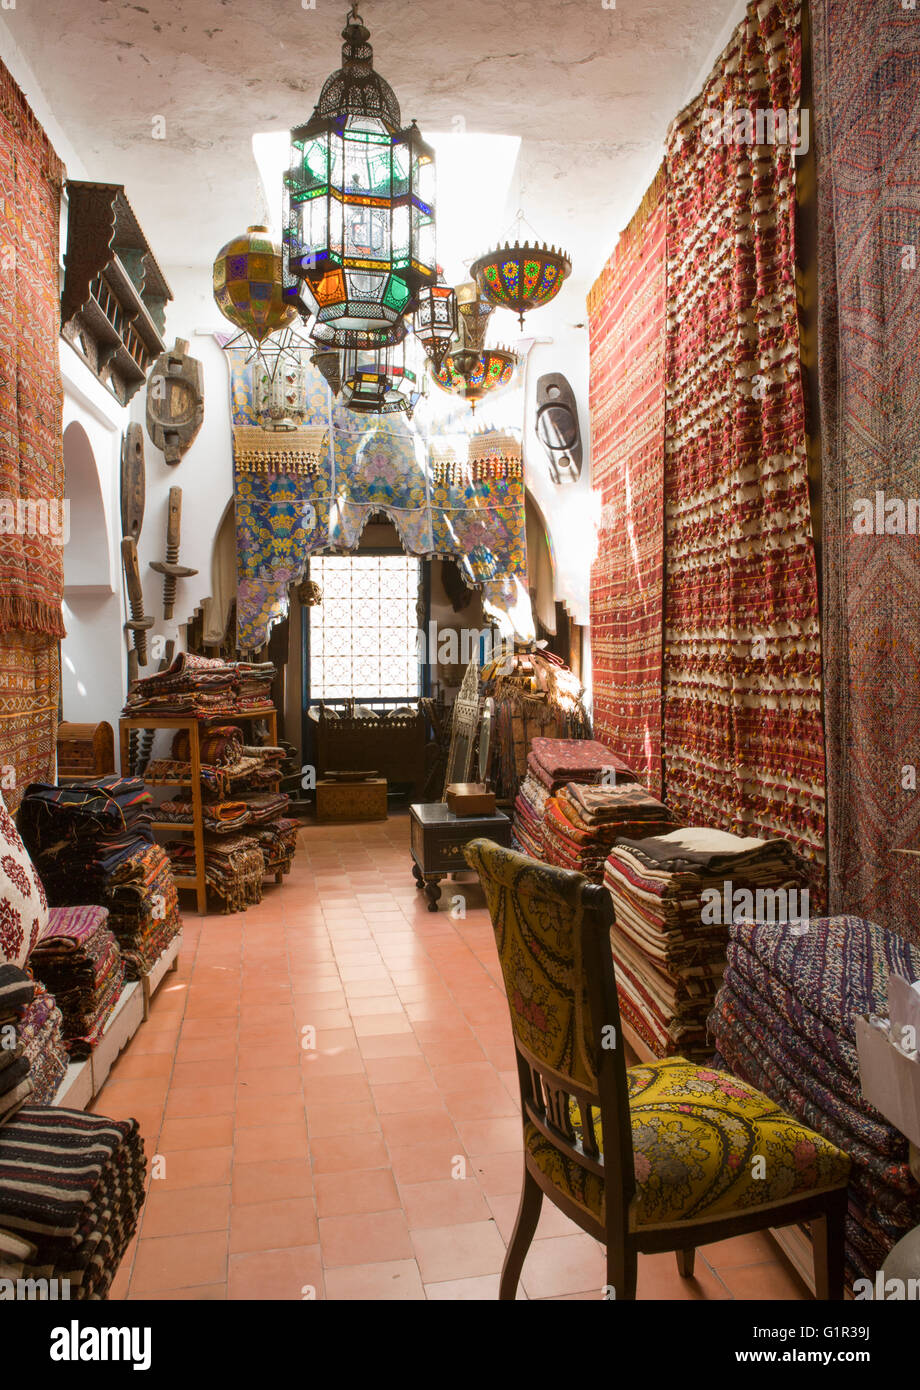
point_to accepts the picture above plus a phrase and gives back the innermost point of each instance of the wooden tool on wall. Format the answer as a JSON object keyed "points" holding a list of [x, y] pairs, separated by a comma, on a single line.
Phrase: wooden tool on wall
{"points": [[175, 401], [170, 568], [133, 482], [137, 623]]}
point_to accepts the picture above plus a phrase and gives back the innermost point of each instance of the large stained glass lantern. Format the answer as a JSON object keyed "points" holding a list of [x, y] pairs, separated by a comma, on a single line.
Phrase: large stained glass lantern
{"points": [[248, 286], [436, 321], [378, 382], [521, 278], [359, 235]]}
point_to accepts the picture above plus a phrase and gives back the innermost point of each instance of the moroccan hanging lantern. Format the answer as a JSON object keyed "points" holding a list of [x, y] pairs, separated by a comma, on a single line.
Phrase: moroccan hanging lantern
{"points": [[378, 382], [359, 235], [484, 373], [328, 363], [248, 284], [521, 278], [436, 321]]}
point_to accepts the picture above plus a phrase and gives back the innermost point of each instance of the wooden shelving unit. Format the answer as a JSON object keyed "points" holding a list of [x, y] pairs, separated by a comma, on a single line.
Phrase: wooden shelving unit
{"points": [[198, 880]]}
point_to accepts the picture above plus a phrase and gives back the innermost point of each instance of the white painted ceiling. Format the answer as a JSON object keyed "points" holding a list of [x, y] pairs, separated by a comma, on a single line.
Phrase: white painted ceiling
{"points": [[590, 90]]}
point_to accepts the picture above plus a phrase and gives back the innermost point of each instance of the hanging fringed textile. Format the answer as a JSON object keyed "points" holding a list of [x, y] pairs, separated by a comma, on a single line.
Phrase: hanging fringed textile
{"points": [[626, 316], [316, 488], [32, 510], [743, 736], [867, 133]]}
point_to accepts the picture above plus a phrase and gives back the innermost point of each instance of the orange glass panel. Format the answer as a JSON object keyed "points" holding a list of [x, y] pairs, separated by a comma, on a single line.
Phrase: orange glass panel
{"points": [[331, 289]]}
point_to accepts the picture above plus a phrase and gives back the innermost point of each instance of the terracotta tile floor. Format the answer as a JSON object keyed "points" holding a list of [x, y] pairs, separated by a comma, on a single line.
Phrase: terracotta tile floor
{"points": [[328, 1085]]}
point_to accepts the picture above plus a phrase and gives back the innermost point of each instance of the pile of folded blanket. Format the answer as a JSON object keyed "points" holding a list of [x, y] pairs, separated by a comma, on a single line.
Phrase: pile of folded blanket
{"points": [[17, 991], [78, 961], [234, 868], [71, 1192], [552, 763], [143, 909], [78, 834], [206, 687], [784, 1020], [674, 896], [581, 823], [33, 1057], [277, 840], [218, 817]]}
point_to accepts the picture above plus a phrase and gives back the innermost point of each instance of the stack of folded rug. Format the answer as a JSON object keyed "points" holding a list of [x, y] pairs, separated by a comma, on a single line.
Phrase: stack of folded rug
{"points": [[784, 1020], [143, 909], [234, 868], [17, 991], [78, 960], [78, 834], [277, 840], [71, 1190], [674, 896], [551, 764], [206, 687], [583, 822], [220, 817], [41, 1032]]}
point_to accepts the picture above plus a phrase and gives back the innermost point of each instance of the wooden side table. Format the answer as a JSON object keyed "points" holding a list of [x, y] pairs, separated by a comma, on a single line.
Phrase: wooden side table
{"points": [[438, 838]]}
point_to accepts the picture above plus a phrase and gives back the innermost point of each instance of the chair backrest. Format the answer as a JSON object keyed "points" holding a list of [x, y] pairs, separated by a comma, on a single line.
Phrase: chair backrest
{"points": [[552, 929]]}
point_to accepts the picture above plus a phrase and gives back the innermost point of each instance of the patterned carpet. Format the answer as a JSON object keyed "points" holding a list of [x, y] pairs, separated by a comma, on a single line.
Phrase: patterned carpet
{"points": [[867, 127], [743, 733], [31, 447], [626, 310]]}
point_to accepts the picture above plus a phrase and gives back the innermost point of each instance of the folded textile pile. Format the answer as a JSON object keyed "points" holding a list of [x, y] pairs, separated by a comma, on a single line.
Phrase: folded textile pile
{"points": [[551, 764], [78, 835], [78, 960], [234, 868], [277, 840], [72, 1188], [17, 991], [41, 1030], [267, 806], [219, 744], [220, 817], [206, 687], [143, 909], [159, 772], [583, 822], [674, 896], [784, 1020]]}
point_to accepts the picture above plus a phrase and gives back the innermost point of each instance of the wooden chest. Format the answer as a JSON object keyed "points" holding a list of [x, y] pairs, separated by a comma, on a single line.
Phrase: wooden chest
{"points": [[85, 750], [351, 801]]}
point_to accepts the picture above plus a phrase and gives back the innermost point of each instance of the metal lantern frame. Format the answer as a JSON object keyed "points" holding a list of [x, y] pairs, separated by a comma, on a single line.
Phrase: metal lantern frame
{"points": [[437, 321], [521, 277], [359, 234], [378, 382]]}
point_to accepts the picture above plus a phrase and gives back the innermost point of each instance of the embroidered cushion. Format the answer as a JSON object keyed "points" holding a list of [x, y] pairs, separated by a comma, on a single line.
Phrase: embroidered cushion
{"points": [[705, 1144], [23, 905]]}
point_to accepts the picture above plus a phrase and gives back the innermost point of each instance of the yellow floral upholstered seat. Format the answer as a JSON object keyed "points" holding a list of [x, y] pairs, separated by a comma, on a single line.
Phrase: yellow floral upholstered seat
{"points": [[705, 1145], [667, 1155]]}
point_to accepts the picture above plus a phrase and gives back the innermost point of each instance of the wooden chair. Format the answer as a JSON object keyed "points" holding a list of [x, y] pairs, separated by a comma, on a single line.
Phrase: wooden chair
{"points": [[662, 1156]]}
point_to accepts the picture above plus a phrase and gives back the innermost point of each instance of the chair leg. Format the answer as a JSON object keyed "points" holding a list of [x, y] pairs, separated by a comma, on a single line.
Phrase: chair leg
{"points": [[621, 1272], [828, 1236], [685, 1260], [524, 1227]]}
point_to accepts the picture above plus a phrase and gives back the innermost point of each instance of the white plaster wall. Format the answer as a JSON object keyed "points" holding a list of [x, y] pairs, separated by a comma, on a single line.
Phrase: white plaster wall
{"points": [[93, 662], [205, 473]]}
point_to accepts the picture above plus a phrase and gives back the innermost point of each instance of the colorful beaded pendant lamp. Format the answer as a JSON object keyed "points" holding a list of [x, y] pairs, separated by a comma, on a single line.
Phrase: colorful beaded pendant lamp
{"points": [[521, 278], [248, 287], [359, 234]]}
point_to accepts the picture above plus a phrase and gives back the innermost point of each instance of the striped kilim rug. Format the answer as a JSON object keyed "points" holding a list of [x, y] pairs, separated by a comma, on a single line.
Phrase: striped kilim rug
{"points": [[867, 129], [626, 315], [743, 732]]}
